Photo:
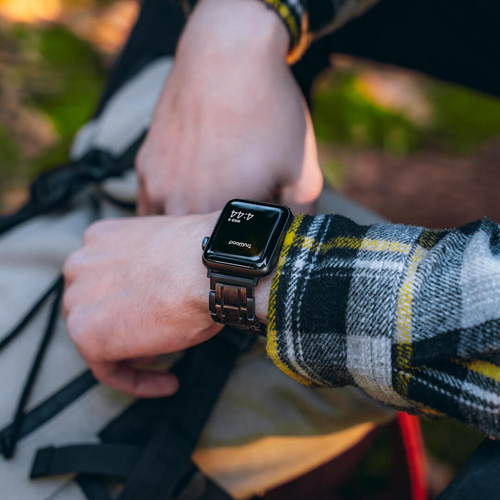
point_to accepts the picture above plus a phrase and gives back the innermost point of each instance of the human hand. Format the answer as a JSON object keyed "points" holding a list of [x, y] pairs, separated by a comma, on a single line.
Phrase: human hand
{"points": [[138, 289], [231, 121]]}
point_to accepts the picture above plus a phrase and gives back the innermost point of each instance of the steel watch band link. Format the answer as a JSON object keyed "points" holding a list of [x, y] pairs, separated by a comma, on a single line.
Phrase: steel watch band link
{"points": [[232, 302]]}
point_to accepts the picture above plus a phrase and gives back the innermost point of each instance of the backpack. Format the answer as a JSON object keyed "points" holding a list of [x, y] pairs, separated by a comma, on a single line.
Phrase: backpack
{"points": [[243, 430]]}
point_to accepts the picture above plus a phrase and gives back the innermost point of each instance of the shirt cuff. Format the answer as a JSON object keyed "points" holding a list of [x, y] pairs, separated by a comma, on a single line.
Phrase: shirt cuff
{"points": [[409, 315]]}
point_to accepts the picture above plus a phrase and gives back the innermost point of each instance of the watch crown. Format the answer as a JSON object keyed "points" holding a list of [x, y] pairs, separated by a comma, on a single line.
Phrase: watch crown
{"points": [[204, 243]]}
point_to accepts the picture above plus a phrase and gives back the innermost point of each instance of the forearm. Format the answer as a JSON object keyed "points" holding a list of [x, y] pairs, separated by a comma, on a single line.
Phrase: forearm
{"points": [[402, 312]]}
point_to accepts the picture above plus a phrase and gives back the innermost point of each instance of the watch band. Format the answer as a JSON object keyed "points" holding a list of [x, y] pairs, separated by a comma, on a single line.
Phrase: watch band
{"points": [[232, 302]]}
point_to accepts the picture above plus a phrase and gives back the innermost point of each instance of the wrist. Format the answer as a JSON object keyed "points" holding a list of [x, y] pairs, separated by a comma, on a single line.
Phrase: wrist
{"points": [[241, 255], [262, 293], [200, 286], [242, 29], [198, 283]]}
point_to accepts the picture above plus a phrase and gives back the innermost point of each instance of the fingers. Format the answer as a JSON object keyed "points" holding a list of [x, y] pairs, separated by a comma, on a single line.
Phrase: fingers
{"points": [[145, 360], [139, 383], [142, 207]]}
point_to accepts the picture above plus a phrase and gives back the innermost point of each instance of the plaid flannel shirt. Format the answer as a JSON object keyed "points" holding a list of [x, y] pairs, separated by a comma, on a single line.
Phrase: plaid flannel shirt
{"points": [[409, 315]]}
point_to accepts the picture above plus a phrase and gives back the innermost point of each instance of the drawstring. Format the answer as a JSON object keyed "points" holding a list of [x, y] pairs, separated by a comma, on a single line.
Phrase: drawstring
{"points": [[9, 441], [29, 316], [50, 191], [54, 188]]}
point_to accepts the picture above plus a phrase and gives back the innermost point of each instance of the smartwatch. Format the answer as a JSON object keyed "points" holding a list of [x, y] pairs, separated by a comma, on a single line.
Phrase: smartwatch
{"points": [[243, 248]]}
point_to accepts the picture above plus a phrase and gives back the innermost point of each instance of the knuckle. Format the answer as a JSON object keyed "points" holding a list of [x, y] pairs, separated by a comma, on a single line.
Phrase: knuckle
{"points": [[92, 232], [68, 301], [98, 229], [75, 327], [89, 334], [89, 234], [82, 334], [71, 264]]}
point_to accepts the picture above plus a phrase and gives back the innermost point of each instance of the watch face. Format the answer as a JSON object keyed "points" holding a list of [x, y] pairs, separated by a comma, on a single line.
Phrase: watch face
{"points": [[247, 233]]}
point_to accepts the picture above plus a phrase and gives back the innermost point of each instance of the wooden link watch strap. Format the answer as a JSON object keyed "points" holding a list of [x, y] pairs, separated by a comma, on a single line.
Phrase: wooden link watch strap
{"points": [[232, 302]]}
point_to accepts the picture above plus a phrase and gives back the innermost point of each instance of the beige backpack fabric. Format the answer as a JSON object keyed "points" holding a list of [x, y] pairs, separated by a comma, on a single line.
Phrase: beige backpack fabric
{"points": [[265, 430]]}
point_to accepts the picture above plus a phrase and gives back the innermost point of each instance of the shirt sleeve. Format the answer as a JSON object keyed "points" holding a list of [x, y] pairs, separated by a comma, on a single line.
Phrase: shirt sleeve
{"points": [[310, 20], [409, 315]]}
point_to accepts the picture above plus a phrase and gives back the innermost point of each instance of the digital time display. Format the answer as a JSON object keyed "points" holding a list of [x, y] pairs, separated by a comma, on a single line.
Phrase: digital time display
{"points": [[244, 230]]}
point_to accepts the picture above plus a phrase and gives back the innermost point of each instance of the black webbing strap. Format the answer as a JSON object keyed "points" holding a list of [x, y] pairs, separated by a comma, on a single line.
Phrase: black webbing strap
{"points": [[167, 457], [29, 315], [134, 424], [9, 440], [157, 464], [106, 460], [49, 408], [113, 460]]}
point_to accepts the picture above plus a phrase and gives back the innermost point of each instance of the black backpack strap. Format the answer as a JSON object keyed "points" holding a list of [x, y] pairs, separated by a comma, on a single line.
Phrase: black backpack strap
{"points": [[113, 460], [134, 424], [157, 465], [118, 461], [167, 458]]}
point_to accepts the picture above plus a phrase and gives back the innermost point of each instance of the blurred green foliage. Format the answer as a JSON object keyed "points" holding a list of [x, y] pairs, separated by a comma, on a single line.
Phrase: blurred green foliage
{"points": [[61, 76], [71, 80], [334, 171], [461, 120], [372, 473], [450, 441], [54, 72], [342, 115], [446, 440], [9, 153]]}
